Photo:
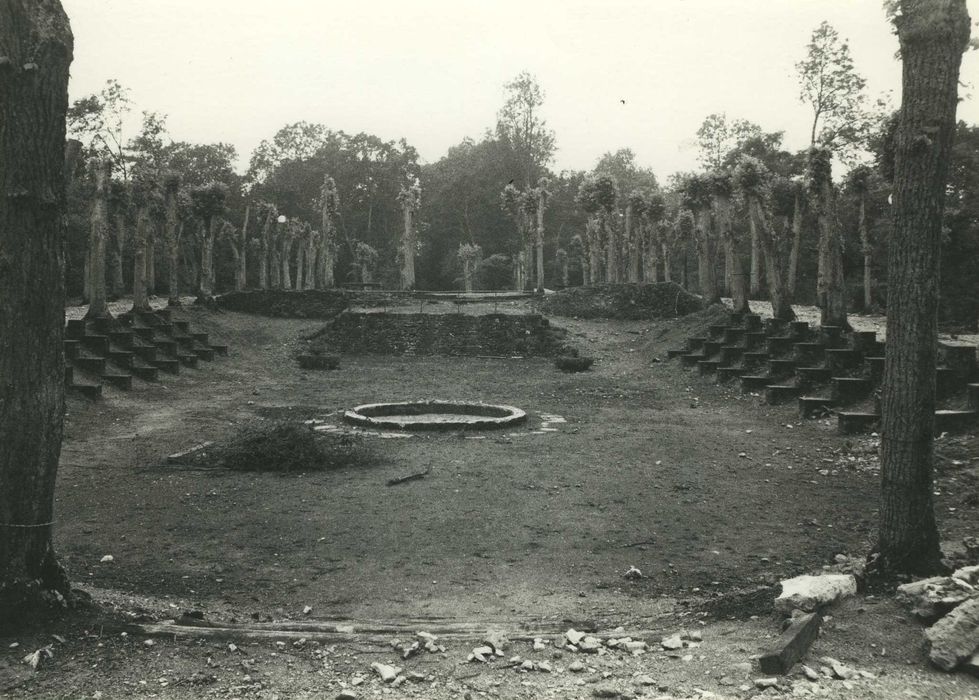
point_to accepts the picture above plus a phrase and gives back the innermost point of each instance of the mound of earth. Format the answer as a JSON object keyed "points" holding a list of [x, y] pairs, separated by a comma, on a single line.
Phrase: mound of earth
{"points": [[631, 302], [528, 335], [313, 303]]}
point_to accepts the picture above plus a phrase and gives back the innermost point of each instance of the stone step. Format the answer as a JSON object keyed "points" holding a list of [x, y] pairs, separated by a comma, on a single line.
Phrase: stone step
{"points": [[799, 328], [874, 368], [961, 359], [118, 379], [831, 335], [181, 326], [89, 362], [755, 358], [87, 389], [187, 359], [671, 354], [695, 343], [814, 406], [950, 421], [842, 359], [96, 342], [809, 353], [75, 329], [755, 339], [777, 394], [972, 392], [731, 354], [781, 367], [946, 421], [711, 348], [705, 367], [779, 345], [123, 358], [812, 376], [716, 331], [725, 374], [864, 341], [199, 337], [948, 382], [849, 390], [144, 370], [692, 359], [756, 382], [71, 347], [166, 363], [733, 335], [855, 422], [202, 351]]}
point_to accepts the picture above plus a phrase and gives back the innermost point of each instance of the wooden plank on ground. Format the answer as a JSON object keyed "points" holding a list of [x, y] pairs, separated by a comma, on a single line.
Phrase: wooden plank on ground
{"points": [[792, 645]]}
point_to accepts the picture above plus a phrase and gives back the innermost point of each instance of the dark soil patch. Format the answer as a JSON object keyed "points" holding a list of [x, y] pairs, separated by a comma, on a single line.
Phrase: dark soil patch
{"points": [[286, 447], [630, 302], [318, 304]]}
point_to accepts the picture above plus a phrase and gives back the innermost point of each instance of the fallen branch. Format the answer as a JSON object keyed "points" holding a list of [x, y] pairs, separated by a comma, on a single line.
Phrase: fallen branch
{"points": [[409, 477]]}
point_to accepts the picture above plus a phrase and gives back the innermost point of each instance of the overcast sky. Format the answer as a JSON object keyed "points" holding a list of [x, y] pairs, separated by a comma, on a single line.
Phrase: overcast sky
{"points": [[432, 71]]}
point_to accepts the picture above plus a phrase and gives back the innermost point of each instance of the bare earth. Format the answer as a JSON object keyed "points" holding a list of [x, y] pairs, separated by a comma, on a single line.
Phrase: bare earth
{"points": [[705, 491]]}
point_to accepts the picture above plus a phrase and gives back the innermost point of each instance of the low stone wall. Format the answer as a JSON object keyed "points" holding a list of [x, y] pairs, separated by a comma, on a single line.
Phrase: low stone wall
{"points": [[314, 303], [505, 335], [635, 302]]}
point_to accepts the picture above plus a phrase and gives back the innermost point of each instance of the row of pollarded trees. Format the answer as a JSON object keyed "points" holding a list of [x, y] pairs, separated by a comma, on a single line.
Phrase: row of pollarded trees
{"points": [[158, 203], [288, 253]]}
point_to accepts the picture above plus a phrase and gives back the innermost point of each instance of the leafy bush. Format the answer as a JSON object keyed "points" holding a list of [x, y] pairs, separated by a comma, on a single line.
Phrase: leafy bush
{"points": [[568, 363]]}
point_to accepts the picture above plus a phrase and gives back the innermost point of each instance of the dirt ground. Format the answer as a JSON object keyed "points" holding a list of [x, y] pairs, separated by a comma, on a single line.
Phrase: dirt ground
{"points": [[707, 492]]}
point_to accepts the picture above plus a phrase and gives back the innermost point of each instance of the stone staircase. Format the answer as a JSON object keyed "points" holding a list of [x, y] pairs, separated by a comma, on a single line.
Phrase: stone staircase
{"points": [[826, 370], [139, 345]]}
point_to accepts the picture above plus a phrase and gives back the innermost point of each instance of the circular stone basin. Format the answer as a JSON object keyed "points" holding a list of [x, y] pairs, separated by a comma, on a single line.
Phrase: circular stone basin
{"points": [[434, 415]]}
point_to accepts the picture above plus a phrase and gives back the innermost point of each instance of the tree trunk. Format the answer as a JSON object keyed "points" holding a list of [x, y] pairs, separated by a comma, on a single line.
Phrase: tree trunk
{"points": [[666, 264], [241, 276], [832, 289], [733, 261], [286, 259], [151, 260], [98, 237], [300, 263], [141, 300], [933, 36], [540, 242], [407, 249], [275, 262], [632, 271], [612, 249], [309, 275], [118, 247], [797, 221], [171, 237], [868, 253], [757, 264], [325, 260], [205, 275], [777, 288], [37, 43], [705, 260]]}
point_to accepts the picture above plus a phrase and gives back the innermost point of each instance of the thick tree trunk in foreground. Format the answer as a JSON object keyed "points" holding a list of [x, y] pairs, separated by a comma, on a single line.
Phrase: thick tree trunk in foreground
{"points": [[933, 35], [97, 240], [35, 52]]}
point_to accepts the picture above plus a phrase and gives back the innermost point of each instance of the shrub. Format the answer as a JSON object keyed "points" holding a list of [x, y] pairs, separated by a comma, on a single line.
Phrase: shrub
{"points": [[289, 447], [568, 363]]}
